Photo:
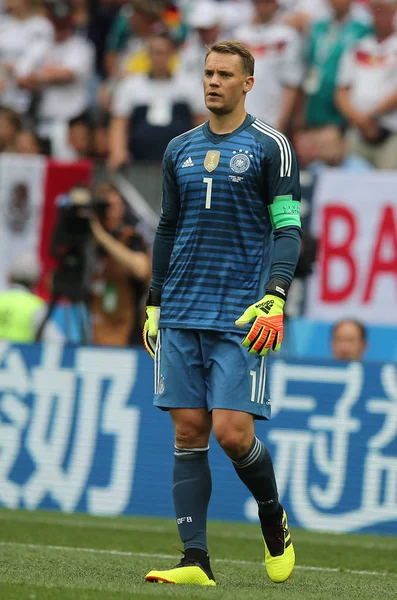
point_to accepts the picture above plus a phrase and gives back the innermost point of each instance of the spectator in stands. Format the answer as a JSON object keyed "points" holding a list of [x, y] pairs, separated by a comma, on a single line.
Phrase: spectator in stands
{"points": [[367, 92], [330, 149], [28, 142], [279, 65], [21, 311], [80, 137], [127, 50], [10, 126], [100, 142], [302, 13], [122, 272], [149, 110], [63, 80], [204, 21], [25, 38], [348, 340], [328, 39], [128, 45]]}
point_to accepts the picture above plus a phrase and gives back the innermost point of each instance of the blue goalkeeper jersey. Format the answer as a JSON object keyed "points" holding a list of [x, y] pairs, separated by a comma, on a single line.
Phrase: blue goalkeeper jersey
{"points": [[223, 195]]}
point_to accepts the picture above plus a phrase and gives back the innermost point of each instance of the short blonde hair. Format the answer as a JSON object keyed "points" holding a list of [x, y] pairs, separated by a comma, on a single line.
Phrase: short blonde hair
{"points": [[234, 47]]}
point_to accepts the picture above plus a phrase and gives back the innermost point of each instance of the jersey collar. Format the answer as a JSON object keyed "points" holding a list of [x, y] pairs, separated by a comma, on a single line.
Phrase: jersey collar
{"points": [[217, 138]]}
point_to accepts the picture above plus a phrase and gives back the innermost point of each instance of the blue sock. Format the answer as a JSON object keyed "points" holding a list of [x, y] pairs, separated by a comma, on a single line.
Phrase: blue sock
{"points": [[255, 470], [192, 487]]}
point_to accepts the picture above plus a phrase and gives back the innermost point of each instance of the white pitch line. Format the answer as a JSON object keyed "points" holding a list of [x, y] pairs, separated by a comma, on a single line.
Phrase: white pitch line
{"points": [[172, 556], [341, 539]]}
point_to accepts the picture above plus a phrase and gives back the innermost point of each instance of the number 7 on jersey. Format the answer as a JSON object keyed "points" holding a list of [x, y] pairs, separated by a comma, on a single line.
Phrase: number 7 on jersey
{"points": [[208, 181]]}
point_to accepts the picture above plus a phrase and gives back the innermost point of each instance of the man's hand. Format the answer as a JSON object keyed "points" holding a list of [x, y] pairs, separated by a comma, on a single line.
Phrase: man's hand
{"points": [[267, 329], [99, 232], [151, 327]]}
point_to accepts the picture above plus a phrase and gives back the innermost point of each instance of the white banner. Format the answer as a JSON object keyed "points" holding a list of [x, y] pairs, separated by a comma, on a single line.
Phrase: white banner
{"points": [[355, 219], [21, 201]]}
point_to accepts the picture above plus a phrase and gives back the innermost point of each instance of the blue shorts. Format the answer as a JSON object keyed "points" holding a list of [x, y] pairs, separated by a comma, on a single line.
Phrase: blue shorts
{"points": [[209, 369]]}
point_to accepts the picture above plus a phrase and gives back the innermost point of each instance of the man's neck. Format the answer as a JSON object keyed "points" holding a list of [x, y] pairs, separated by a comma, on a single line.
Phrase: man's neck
{"points": [[160, 75], [341, 15], [222, 124], [258, 21], [381, 36]]}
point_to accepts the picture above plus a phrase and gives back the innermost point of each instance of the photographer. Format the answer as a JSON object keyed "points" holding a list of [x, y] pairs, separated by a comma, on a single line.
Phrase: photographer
{"points": [[121, 271]]}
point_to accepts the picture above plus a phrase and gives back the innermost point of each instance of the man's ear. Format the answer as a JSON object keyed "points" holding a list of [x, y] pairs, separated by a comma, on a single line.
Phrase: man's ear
{"points": [[248, 84]]}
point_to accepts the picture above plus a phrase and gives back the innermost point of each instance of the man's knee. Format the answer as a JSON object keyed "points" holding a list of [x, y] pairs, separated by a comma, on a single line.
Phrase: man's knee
{"points": [[234, 435], [233, 443], [192, 428]]}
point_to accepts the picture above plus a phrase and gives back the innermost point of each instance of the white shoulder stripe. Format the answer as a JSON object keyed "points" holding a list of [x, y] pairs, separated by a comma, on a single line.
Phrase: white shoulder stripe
{"points": [[277, 140], [284, 139], [283, 144]]}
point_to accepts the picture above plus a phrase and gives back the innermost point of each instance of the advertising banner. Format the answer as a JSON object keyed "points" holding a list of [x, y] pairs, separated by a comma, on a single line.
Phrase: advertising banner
{"points": [[78, 432], [355, 219]]}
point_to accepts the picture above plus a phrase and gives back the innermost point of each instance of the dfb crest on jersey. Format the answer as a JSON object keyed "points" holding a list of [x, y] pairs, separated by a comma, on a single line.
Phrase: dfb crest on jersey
{"points": [[211, 160], [240, 162]]}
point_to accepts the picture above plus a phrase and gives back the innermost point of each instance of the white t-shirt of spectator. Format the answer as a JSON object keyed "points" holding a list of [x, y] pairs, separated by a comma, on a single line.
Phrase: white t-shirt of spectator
{"points": [[277, 49], [62, 102], [321, 9], [23, 44], [370, 70], [158, 95], [317, 9], [159, 110]]}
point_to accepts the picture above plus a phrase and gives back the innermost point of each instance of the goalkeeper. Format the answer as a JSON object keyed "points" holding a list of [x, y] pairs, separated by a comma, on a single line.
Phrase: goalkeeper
{"points": [[224, 256]]}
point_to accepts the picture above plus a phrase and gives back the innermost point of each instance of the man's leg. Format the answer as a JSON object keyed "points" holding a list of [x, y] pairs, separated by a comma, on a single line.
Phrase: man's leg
{"points": [[192, 483], [181, 389], [191, 492], [251, 459]]}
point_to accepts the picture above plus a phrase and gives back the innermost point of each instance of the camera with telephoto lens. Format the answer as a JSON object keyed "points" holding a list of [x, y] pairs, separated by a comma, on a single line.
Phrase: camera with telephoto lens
{"points": [[70, 239]]}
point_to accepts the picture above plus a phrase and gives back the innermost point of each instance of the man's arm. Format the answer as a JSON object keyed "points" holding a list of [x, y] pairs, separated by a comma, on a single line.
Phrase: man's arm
{"points": [[162, 250], [118, 145], [288, 101], [123, 104], [283, 198], [136, 263], [165, 234], [365, 122], [386, 105], [291, 77]]}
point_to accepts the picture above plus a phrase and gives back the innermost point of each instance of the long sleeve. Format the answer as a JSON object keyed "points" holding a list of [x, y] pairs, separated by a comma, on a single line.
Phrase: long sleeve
{"points": [[165, 234], [286, 250], [284, 195]]}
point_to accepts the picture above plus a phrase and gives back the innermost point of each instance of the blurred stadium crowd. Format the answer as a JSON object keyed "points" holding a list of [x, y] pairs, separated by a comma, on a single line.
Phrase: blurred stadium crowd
{"points": [[115, 80]]}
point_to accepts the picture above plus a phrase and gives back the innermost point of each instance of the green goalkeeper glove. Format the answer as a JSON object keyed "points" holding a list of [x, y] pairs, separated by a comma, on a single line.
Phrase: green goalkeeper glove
{"points": [[267, 330], [151, 326]]}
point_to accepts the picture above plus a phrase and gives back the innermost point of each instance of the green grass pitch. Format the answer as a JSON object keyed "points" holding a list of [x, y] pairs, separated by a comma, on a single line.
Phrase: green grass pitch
{"points": [[49, 556]]}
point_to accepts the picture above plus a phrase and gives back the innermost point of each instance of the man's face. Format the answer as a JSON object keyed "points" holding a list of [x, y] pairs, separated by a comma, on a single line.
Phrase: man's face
{"points": [[225, 83], [383, 13], [80, 138], [341, 5], [160, 51], [209, 35], [7, 131], [347, 342], [115, 211], [265, 9]]}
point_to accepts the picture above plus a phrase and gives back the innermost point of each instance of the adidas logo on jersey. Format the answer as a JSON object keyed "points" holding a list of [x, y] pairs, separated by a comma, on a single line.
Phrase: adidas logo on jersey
{"points": [[188, 163]]}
